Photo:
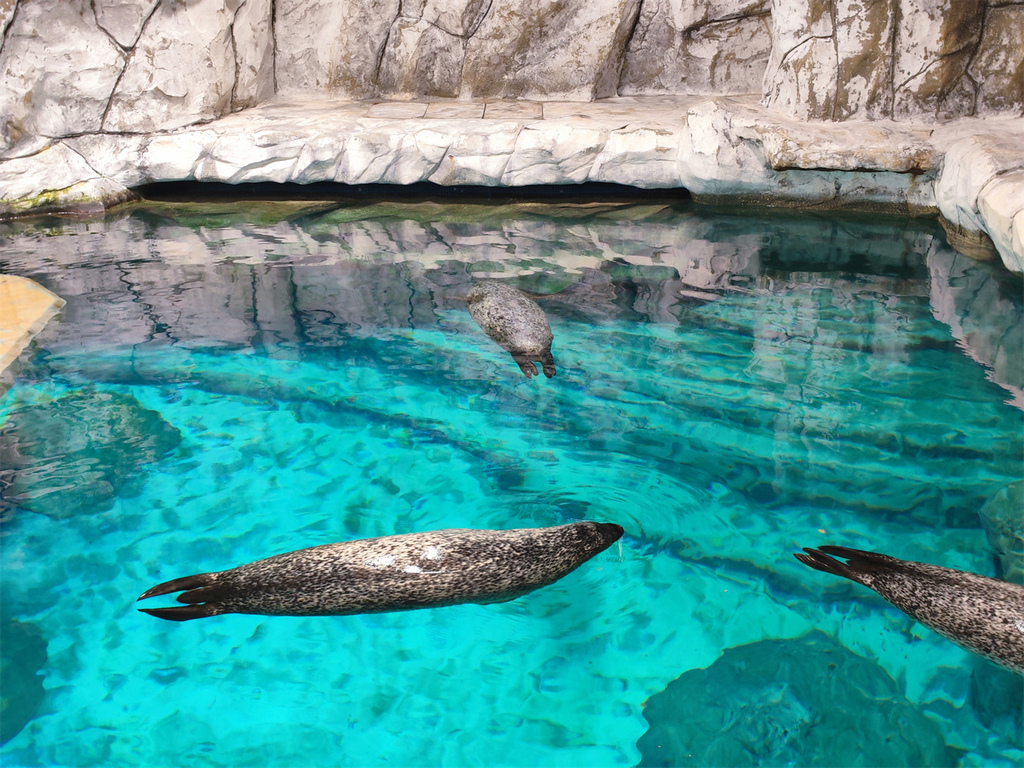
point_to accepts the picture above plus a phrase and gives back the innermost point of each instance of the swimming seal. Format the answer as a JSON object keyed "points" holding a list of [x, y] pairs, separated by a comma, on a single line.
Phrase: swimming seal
{"points": [[514, 321], [983, 615], [391, 573]]}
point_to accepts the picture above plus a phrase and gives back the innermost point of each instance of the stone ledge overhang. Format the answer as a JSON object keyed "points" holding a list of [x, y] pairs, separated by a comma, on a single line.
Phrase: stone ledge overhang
{"points": [[724, 149]]}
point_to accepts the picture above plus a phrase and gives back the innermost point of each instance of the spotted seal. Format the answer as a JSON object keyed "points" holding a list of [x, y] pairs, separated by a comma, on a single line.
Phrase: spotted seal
{"points": [[983, 615], [514, 321], [391, 573]]}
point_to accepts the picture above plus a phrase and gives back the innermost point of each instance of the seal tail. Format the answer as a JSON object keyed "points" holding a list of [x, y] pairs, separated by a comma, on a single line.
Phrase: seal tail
{"points": [[858, 565], [183, 612], [176, 585]]}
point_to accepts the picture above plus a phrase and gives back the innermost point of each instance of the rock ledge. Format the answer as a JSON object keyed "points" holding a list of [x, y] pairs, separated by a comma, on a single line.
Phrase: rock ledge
{"points": [[720, 149]]}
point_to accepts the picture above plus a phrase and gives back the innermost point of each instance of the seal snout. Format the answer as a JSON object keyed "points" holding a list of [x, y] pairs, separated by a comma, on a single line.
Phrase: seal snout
{"points": [[608, 533]]}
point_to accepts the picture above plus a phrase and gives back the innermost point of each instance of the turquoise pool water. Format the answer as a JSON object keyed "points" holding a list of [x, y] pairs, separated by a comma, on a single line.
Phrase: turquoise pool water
{"points": [[240, 380]]}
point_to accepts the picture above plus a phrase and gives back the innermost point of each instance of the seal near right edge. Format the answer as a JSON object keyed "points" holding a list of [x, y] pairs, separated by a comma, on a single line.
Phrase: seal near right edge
{"points": [[983, 615]]}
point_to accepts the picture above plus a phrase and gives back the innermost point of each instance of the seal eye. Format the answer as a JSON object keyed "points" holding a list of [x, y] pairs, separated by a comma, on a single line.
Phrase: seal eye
{"points": [[432, 553]]}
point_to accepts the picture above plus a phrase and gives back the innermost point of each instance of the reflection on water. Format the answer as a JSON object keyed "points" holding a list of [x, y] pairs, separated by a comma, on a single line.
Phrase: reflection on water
{"points": [[233, 381]]}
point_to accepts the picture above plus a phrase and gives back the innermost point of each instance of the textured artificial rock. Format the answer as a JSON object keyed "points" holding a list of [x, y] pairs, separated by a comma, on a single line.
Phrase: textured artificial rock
{"points": [[6, 14], [998, 64], [719, 149], [69, 67], [427, 47], [182, 69], [422, 58], [735, 152], [57, 71], [331, 48], [1001, 208], [902, 59], [802, 70], [863, 34], [986, 168], [254, 54], [694, 46], [123, 19], [559, 51], [56, 179], [935, 42]]}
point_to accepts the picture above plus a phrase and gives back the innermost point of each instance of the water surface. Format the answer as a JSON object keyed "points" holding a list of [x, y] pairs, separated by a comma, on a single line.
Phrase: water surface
{"points": [[232, 381]]}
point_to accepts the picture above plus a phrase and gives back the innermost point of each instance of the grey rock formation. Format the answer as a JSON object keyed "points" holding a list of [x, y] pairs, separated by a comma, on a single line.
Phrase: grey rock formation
{"points": [[901, 59], [696, 46], [765, 704], [57, 72], [181, 71], [331, 48]]}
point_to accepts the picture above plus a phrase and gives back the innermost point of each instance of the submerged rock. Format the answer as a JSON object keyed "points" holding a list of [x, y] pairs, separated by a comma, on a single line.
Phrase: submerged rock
{"points": [[22, 655], [1001, 519], [806, 701], [75, 453]]}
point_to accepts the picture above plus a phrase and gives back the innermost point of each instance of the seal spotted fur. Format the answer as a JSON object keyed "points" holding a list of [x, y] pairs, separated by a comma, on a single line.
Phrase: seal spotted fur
{"points": [[983, 615], [391, 573], [514, 321]]}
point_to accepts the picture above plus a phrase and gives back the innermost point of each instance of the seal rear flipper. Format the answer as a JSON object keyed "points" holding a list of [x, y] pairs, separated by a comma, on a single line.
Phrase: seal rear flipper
{"points": [[547, 360], [184, 612], [820, 561], [859, 563], [525, 363], [176, 585]]}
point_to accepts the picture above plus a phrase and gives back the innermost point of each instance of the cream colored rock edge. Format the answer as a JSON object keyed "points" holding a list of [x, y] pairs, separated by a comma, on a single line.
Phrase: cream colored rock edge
{"points": [[726, 149], [27, 308]]}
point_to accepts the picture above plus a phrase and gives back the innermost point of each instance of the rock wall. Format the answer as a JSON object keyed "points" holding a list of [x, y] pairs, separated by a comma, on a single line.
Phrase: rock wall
{"points": [[135, 66], [896, 59], [69, 67]]}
